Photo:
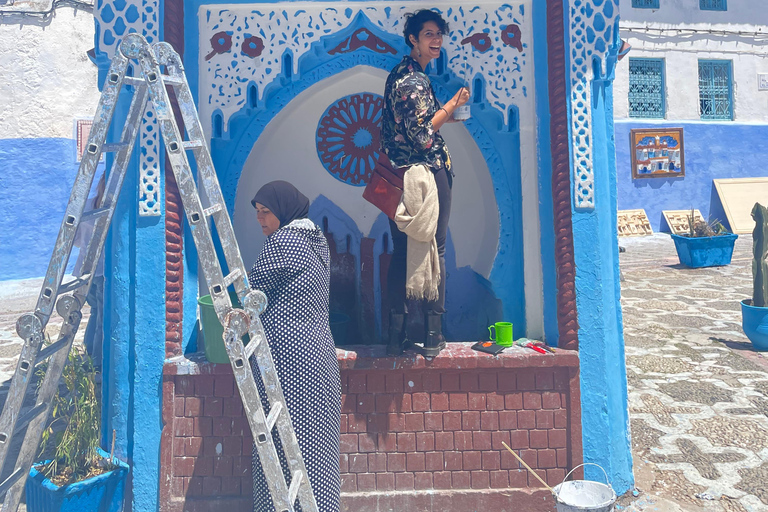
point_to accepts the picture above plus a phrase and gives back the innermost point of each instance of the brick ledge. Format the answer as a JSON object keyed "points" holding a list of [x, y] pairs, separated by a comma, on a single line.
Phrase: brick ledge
{"points": [[457, 356]]}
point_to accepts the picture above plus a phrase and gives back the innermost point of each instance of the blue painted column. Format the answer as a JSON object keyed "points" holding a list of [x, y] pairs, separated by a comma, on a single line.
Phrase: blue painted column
{"points": [[134, 350], [605, 416]]}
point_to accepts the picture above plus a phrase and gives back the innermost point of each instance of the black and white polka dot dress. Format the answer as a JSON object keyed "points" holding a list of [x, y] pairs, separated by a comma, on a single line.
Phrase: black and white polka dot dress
{"points": [[293, 270]]}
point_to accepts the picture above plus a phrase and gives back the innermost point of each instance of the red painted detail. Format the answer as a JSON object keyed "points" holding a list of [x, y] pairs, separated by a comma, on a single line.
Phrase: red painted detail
{"points": [[567, 319], [362, 38]]}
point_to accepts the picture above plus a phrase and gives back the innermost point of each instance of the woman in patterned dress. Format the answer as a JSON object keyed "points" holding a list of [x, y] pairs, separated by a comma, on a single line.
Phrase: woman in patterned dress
{"points": [[411, 118], [293, 270]]}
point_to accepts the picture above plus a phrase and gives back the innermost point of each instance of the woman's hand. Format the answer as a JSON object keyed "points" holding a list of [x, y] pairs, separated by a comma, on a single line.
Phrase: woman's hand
{"points": [[460, 98], [445, 114]]}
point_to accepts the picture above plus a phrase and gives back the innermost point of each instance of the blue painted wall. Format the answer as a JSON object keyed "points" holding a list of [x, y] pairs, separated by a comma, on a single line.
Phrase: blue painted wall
{"points": [[713, 150], [35, 182], [605, 416]]}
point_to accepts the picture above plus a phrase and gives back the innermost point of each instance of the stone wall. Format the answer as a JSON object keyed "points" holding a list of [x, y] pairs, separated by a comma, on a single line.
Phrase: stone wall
{"points": [[408, 426]]}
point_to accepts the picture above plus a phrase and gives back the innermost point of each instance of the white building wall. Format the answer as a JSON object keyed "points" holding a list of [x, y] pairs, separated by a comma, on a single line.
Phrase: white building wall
{"points": [[47, 79], [681, 34]]}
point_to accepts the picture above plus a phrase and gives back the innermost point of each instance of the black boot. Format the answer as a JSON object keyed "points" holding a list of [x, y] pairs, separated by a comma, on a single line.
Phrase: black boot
{"points": [[397, 341], [434, 341]]}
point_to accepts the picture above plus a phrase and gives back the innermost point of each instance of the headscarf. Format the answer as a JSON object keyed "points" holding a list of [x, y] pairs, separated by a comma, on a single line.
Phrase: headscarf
{"points": [[283, 200]]}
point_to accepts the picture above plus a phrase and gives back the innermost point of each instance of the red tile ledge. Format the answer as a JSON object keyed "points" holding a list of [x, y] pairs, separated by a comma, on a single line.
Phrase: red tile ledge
{"points": [[456, 356]]}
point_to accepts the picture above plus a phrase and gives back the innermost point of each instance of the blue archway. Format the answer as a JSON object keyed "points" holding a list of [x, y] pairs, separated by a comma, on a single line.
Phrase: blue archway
{"points": [[499, 143]]}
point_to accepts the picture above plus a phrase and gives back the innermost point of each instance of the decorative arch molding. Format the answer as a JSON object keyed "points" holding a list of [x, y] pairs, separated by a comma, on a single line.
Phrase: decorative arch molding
{"points": [[487, 128]]}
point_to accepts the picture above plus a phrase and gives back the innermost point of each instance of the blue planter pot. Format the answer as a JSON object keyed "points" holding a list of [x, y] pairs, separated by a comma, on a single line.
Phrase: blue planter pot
{"points": [[709, 251], [754, 321], [103, 493]]}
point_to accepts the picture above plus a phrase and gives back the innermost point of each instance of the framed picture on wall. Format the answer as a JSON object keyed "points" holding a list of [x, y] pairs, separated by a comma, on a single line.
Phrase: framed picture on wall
{"points": [[657, 153]]}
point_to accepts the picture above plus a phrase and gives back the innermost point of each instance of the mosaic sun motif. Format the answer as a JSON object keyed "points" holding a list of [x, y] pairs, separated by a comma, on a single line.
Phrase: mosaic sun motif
{"points": [[347, 137]]}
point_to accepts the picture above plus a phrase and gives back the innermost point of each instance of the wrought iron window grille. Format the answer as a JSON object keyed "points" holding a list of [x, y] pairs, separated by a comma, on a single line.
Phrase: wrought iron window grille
{"points": [[713, 5], [645, 4], [715, 89], [646, 88]]}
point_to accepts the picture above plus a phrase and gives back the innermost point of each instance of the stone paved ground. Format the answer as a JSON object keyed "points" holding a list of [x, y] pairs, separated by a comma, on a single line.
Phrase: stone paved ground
{"points": [[698, 395]]}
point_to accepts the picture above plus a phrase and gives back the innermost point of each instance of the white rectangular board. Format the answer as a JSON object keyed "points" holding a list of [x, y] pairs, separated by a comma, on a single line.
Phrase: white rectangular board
{"points": [[738, 196]]}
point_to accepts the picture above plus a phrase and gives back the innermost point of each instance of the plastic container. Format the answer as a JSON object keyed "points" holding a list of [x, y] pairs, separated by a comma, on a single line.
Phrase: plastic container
{"points": [[104, 492], [584, 495], [706, 251], [754, 321], [213, 331]]}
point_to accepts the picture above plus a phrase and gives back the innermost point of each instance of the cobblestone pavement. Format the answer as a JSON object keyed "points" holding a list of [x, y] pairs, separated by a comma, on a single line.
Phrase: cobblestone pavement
{"points": [[698, 393]]}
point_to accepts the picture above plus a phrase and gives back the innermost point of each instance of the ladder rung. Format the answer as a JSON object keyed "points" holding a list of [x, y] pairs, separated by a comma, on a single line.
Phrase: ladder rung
{"points": [[293, 490], [98, 212], [132, 80], [170, 80], [251, 347], [193, 144], [113, 147], [72, 285], [12, 479], [28, 416], [274, 412], [211, 210], [232, 277], [50, 349]]}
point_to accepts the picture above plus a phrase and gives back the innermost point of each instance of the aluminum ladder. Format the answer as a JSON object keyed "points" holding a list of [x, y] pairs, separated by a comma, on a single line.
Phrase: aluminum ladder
{"points": [[69, 298]]}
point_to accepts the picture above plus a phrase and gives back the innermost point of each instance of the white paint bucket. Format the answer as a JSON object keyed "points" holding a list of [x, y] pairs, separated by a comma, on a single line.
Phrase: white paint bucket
{"points": [[584, 495]]}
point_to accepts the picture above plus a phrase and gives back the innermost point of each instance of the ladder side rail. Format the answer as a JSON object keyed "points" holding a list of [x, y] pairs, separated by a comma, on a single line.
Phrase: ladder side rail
{"points": [[82, 186], [236, 325], [31, 331], [135, 47], [69, 308], [267, 368], [114, 183], [167, 56], [284, 425], [201, 232]]}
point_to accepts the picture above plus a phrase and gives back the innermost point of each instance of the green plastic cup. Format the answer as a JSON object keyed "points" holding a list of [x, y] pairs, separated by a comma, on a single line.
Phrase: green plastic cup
{"points": [[501, 333]]}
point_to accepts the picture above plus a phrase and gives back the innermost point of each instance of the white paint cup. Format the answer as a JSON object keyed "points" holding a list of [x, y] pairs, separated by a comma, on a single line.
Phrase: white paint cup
{"points": [[461, 113]]}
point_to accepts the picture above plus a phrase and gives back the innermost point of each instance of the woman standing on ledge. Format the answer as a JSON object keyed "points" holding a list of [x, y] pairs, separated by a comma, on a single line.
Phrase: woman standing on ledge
{"points": [[293, 270], [410, 138]]}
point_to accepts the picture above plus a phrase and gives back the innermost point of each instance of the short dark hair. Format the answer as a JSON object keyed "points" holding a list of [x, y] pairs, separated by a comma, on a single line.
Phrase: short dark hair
{"points": [[414, 22]]}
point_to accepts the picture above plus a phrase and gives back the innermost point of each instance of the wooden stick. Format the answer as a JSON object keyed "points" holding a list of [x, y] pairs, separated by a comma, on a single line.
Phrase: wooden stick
{"points": [[528, 467]]}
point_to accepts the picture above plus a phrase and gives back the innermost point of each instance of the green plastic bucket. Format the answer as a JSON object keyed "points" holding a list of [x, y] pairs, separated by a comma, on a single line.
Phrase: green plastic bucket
{"points": [[213, 331]]}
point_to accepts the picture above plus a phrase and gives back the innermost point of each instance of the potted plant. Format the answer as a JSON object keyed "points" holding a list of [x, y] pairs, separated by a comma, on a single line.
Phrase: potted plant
{"points": [[705, 245], [754, 312], [79, 476]]}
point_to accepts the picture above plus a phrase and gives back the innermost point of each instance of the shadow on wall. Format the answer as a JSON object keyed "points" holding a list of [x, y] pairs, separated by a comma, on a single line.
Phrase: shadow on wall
{"points": [[359, 268], [716, 210], [656, 183]]}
